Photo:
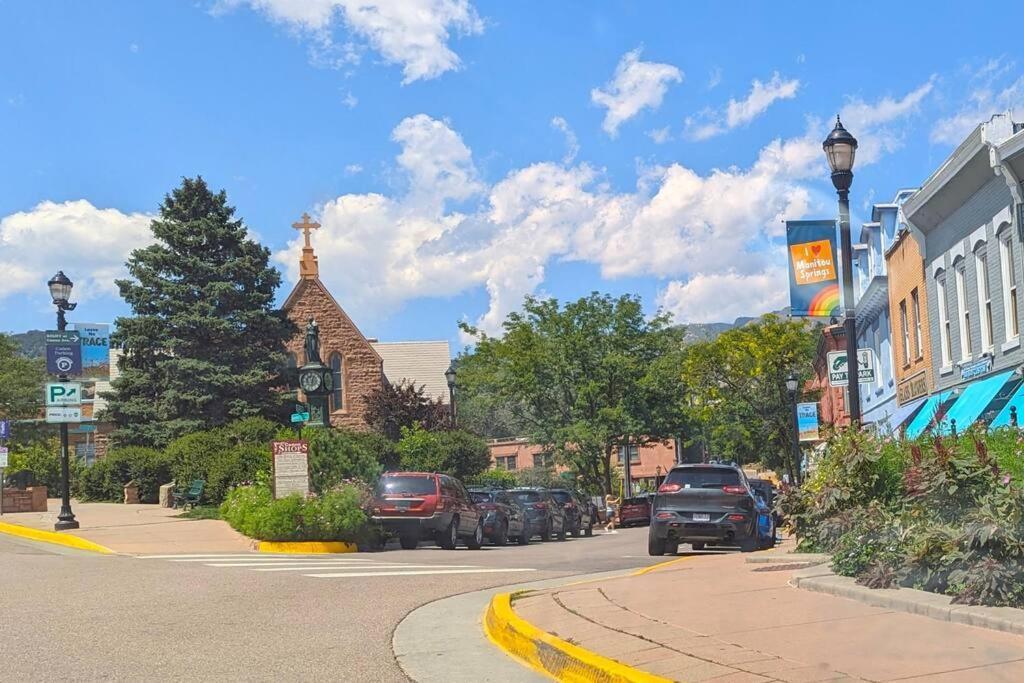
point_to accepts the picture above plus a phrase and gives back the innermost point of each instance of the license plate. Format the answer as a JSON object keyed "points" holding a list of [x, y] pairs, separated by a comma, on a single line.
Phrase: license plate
{"points": [[701, 517]]}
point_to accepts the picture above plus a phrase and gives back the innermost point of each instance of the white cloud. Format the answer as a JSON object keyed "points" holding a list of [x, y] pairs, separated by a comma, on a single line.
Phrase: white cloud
{"points": [[870, 121], [635, 86], [90, 244], [715, 78], [989, 94], [660, 135], [353, 169], [350, 100], [572, 145], [412, 33], [723, 297], [741, 112]]}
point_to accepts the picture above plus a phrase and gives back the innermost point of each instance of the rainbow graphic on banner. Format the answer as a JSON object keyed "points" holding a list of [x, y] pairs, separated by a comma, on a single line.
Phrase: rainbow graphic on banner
{"points": [[825, 302]]}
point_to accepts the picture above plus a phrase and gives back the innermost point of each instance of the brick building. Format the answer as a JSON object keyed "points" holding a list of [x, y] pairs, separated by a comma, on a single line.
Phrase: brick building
{"points": [[832, 401], [908, 303], [360, 365]]}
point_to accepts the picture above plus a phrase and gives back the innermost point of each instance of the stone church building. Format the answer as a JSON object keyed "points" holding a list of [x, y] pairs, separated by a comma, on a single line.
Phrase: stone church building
{"points": [[360, 364]]}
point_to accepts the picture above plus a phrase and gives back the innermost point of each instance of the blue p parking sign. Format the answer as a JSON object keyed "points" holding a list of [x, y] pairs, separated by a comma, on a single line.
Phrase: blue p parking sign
{"points": [[63, 353]]}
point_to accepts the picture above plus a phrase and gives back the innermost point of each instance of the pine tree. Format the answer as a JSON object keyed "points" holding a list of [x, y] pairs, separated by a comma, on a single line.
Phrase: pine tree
{"points": [[205, 345]]}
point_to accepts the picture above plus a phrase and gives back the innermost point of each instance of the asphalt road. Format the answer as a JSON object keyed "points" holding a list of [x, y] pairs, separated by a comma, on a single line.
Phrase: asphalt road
{"points": [[83, 617]]}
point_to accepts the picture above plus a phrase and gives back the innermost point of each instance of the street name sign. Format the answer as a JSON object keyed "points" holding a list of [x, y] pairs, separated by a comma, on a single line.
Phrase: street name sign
{"points": [[58, 414], [838, 375], [63, 394], [291, 467], [63, 353]]}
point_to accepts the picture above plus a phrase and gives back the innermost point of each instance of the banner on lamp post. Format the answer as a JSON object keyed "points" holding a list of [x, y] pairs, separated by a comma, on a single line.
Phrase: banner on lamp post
{"points": [[813, 271], [807, 421]]}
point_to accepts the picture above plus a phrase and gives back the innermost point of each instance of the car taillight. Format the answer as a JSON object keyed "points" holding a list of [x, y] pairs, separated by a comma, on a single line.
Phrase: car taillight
{"points": [[734, 490], [736, 518], [669, 488], [664, 515], [540, 506]]}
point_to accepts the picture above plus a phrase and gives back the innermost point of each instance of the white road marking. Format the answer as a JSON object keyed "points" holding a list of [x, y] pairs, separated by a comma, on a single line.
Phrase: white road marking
{"points": [[307, 567], [349, 575], [274, 560]]}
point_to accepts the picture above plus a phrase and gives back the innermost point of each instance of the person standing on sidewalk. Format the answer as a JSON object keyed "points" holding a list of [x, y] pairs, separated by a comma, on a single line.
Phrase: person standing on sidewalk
{"points": [[611, 504]]}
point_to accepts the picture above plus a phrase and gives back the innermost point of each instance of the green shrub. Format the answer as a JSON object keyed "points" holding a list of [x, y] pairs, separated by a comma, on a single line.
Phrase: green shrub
{"points": [[460, 454], [252, 430], [105, 479], [337, 456], [499, 479], [225, 457], [42, 458], [335, 515]]}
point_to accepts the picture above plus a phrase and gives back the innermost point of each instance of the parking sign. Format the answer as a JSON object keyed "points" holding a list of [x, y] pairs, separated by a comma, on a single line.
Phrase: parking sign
{"points": [[63, 394]]}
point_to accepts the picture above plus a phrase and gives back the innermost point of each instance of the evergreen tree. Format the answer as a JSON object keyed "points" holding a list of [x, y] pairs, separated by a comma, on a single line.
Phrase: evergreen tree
{"points": [[205, 345]]}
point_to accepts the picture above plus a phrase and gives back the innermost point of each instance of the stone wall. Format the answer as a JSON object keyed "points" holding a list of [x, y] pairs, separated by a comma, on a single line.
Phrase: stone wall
{"points": [[32, 499], [362, 369]]}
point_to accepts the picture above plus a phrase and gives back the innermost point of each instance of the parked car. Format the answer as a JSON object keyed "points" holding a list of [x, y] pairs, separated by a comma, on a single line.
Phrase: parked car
{"points": [[424, 505], [768, 492], [504, 516], [707, 504], [545, 516], [635, 511], [577, 513]]}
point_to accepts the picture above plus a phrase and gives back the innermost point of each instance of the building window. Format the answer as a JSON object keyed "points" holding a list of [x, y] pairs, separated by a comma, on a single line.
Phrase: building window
{"points": [[335, 362], [944, 331], [634, 454], [984, 300], [905, 333], [1009, 286], [963, 313], [505, 462], [916, 312], [544, 460]]}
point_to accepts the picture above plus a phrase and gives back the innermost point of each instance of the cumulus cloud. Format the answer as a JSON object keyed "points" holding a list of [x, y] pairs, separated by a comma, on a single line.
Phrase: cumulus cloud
{"points": [[572, 144], [723, 297], [636, 85], [876, 117], [660, 135], [741, 112], [90, 243], [989, 94], [411, 33]]}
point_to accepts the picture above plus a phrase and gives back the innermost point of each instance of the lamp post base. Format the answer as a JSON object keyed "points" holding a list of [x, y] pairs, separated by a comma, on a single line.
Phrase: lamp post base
{"points": [[66, 520]]}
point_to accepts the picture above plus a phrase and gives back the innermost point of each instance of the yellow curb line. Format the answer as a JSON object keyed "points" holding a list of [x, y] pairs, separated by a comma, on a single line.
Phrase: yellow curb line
{"points": [[306, 547], [646, 570], [55, 537], [549, 654]]}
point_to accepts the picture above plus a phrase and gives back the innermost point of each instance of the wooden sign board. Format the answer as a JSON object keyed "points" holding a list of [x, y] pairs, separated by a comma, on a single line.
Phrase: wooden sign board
{"points": [[291, 468]]}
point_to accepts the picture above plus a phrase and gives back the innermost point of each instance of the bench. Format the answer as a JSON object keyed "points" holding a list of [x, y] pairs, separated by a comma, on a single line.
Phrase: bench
{"points": [[190, 497]]}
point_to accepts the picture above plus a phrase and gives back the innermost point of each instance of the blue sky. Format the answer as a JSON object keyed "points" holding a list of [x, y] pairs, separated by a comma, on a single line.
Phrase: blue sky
{"points": [[463, 154]]}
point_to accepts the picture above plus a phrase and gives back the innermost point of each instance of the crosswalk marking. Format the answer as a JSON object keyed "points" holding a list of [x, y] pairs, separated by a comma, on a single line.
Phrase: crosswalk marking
{"points": [[329, 566]]}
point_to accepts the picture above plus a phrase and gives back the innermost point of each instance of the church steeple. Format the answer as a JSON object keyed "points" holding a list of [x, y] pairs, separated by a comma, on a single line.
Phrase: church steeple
{"points": [[308, 267]]}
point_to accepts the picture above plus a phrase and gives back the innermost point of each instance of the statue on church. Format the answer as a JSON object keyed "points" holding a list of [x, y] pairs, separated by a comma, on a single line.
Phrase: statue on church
{"points": [[313, 342]]}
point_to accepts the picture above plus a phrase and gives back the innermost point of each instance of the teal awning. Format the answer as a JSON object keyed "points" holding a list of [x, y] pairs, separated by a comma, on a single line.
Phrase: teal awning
{"points": [[892, 424], [1003, 418], [925, 415], [972, 402]]}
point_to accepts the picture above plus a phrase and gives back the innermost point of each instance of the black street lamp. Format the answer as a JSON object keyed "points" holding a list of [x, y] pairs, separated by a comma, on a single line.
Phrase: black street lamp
{"points": [[449, 376], [840, 149], [60, 291], [792, 385]]}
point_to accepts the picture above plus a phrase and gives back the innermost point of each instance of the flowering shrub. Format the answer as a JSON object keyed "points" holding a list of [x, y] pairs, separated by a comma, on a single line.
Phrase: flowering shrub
{"points": [[944, 514]]}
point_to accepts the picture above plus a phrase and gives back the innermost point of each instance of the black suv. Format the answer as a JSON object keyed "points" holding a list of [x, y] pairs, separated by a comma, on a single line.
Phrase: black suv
{"points": [[577, 512], [705, 504], [504, 516], [544, 515]]}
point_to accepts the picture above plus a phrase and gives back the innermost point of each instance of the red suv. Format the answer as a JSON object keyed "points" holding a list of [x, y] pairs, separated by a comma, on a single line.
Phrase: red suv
{"points": [[417, 505]]}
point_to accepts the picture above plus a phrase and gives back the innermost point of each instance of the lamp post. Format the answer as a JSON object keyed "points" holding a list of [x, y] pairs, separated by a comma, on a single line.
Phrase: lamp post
{"points": [[60, 291], [792, 384], [840, 149], [449, 376]]}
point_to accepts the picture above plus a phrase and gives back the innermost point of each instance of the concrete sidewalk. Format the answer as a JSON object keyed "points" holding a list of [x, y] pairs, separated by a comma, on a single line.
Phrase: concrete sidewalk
{"points": [[717, 617], [139, 529]]}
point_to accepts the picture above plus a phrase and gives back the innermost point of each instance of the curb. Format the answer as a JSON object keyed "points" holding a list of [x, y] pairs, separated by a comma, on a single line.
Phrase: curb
{"points": [[305, 547], [551, 655], [55, 537], [911, 601]]}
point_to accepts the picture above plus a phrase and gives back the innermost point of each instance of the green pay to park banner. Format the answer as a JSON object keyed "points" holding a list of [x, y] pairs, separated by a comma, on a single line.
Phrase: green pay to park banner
{"points": [[813, 279]]}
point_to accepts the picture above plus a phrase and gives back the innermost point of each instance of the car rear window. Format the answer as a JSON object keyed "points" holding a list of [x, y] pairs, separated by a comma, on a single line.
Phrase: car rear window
{"points": [[704, 477], [526, 496], [561, 496], [420, 486], [636, 501], [481, 496]]}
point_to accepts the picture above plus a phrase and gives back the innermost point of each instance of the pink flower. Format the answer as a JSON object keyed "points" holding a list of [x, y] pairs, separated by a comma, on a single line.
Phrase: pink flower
{"points": [[1006, 479]]}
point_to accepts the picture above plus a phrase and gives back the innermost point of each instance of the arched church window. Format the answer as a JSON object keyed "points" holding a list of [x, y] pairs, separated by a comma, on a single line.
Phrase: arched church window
{"points": [[291, 370], [335, 363]]}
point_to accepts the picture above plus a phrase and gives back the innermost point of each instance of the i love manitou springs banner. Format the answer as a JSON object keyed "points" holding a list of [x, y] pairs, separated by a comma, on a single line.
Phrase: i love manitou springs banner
{"points": [[813, 270]]}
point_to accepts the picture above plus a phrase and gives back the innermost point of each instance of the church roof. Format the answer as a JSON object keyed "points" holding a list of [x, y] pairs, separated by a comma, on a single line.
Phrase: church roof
{"points": [[303, 284], [421, 362]]}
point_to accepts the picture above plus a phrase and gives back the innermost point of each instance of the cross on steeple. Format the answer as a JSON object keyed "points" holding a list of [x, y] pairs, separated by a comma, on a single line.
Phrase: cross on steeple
{"points": [[305, 226]]}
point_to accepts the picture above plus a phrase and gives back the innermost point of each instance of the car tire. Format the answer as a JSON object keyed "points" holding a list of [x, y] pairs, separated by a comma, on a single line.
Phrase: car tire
{"points": [[672, 548], [749, 545], [476, 541], [697, 546], [561, 532], [655, 545], [409, 541], [590, 530], [545, 534], [501, 538], [450, 536], [523, 538]]}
